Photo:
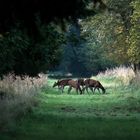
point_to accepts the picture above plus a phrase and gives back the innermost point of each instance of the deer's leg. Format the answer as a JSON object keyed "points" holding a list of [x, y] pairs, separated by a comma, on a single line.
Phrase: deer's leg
{"points": [[91, 88], [94, 89], [63, 89], [99, 90], [77, 89], [83, 89], [69, 89], [80, 89], [86, 88], [60, 88]]}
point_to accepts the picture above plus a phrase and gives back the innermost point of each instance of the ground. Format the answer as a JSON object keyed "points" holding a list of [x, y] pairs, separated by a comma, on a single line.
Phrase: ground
{"points": [[61, 116]]}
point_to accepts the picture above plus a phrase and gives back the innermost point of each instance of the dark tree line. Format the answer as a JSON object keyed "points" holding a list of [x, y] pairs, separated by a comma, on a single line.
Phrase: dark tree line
{"points": [[12, 11], [29, 41], [32, 32]]}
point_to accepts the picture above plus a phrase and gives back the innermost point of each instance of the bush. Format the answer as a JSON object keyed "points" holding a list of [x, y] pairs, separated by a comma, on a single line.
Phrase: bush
{"points": [[135, 82], [122, 73], [18, 97]]}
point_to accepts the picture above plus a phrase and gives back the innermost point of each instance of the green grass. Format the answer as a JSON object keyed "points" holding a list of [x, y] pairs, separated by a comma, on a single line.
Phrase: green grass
{"points": [[59, 116]]}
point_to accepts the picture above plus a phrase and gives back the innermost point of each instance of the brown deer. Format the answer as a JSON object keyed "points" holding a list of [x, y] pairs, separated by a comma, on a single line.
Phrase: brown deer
{"points": [[61, 84], [74, 84], [81, 82], [90, 83]]}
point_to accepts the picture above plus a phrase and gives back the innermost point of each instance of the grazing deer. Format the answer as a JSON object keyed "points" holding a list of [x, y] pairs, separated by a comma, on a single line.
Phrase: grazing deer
{"points": [[90, 83], [74, 84], [81, 82], [61, 83]]}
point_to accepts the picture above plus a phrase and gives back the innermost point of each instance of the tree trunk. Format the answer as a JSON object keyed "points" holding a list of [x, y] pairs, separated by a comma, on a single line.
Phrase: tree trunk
{"points": [[136, 67]]}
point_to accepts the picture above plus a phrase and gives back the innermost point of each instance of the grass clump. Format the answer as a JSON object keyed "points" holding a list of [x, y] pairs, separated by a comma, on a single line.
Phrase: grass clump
{"points": [[121, 74], [17, 98]]}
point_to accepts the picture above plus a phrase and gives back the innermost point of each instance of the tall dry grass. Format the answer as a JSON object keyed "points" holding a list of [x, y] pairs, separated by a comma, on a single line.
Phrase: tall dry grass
{"points": [[135, 82], [123, 74], [17, 97]]}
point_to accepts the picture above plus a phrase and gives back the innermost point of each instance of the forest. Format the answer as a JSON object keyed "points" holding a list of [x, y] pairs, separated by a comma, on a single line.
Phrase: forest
{"points": [[50, 48], [90, 35]]}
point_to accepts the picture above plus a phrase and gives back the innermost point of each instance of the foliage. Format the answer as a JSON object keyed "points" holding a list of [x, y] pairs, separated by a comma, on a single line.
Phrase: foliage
{"points": [[12, 46], [106, 38], [24, 55], [134, 40], [18, 97], [48, 10], [85, 53], [101, 33], [109, 32], [33, 46], [38, 41], [72, 50], [121, 8]]}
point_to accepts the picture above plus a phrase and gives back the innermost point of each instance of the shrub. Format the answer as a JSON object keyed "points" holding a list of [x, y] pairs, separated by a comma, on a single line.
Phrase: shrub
{"points": [[122, 73], [18, 97], [135, 82]]}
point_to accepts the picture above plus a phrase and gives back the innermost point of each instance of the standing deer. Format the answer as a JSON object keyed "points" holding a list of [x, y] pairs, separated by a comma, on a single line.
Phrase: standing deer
{"points": [[90, 83], [74, 84], [81, 82], [61, 84]]}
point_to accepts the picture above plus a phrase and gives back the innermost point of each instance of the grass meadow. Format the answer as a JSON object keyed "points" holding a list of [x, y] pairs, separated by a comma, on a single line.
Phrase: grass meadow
{"points": [[61, 116]]}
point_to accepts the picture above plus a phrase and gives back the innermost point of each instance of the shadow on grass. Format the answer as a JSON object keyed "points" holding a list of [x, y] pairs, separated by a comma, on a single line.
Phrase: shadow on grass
{"points": [[47, 126]]}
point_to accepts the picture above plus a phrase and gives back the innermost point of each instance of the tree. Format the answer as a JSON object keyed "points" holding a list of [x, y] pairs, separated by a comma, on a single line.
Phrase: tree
{"points": [[104, 30], [97, 33], [71, 54], [110, 30], [85, 53], [134, 40], [28, 49], [121, 8], [23, 55]]}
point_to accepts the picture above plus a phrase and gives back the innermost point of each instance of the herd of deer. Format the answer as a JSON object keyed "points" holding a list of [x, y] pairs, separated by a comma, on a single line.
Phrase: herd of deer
{"points": [[80, 85]]}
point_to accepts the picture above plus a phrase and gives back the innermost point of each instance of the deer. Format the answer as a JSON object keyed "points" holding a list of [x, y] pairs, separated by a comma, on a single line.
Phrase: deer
{"points": [[90, 83]]}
